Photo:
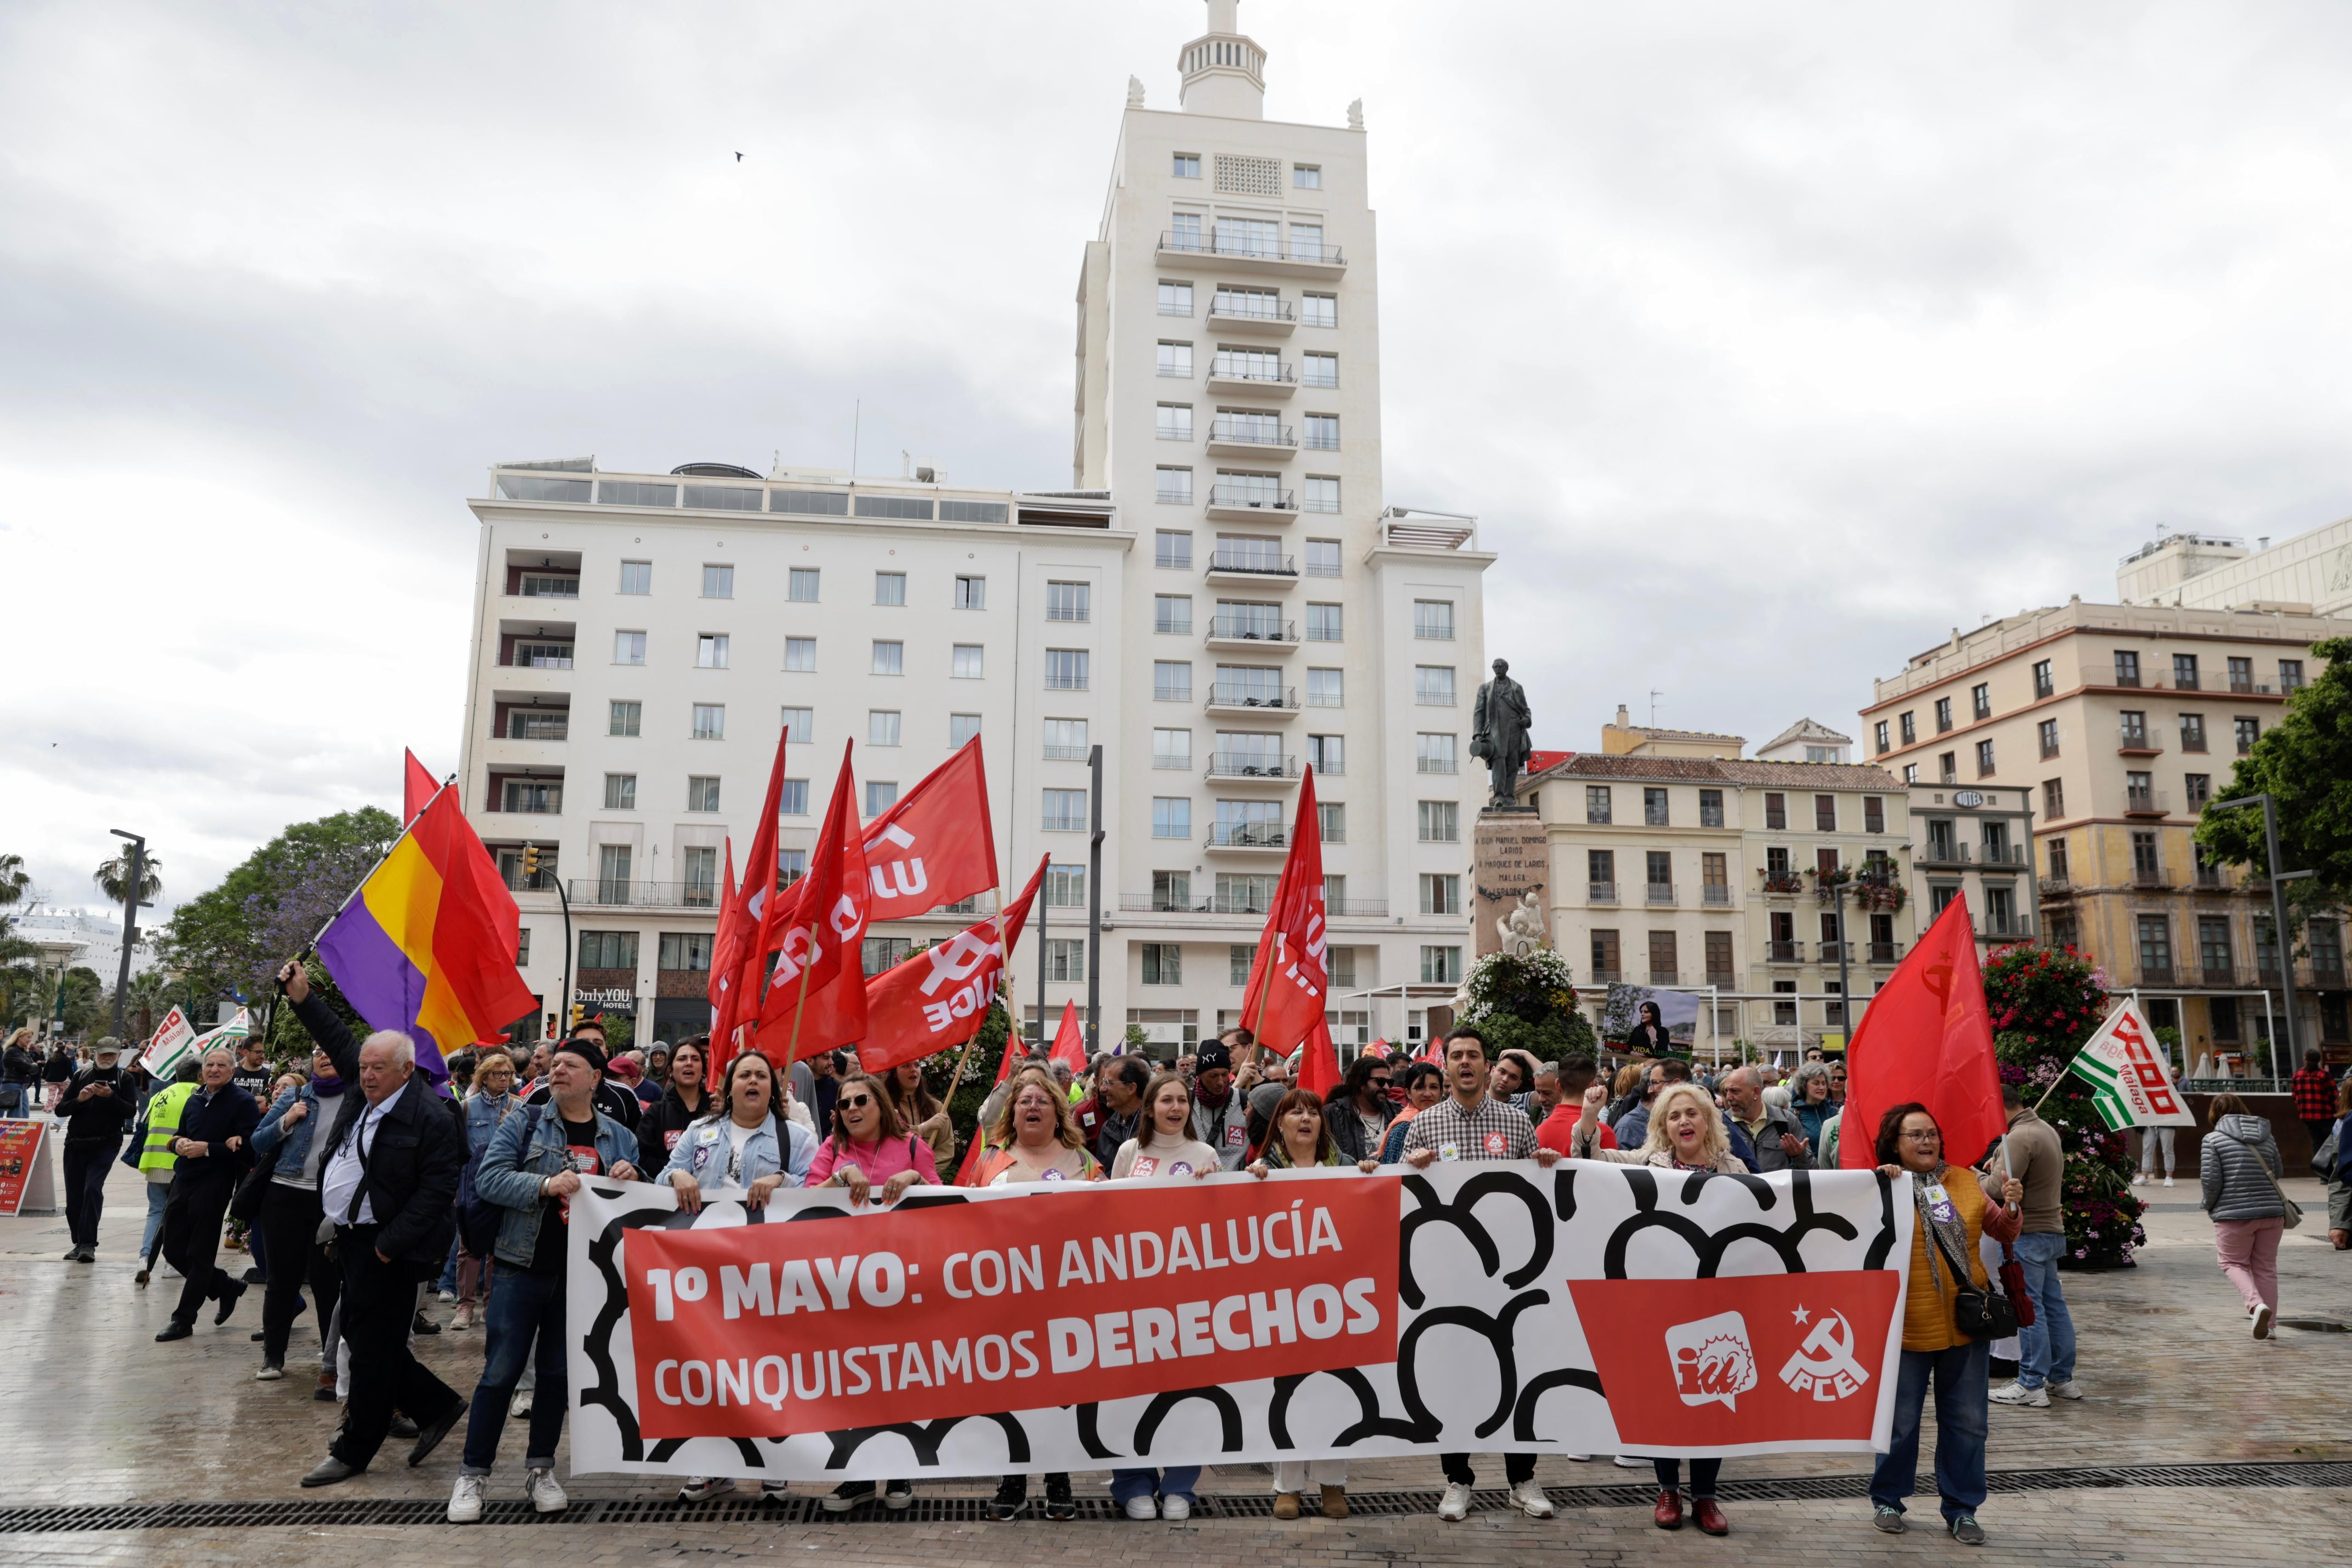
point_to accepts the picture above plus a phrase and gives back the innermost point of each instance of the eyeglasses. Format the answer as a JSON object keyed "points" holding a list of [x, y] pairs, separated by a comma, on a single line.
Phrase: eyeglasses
{"points": [[854, 1102], [1381, 1082], [1928, 1136]]}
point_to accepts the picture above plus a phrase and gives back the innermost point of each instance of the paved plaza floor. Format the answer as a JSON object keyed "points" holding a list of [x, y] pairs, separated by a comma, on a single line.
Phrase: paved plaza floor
{"points": [[103, 1416]]}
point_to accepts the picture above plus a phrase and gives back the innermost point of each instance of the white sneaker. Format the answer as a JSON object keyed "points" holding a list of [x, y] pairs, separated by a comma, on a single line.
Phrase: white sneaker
{"points": [[539, 1486], [776, 1489], [2167, 1181], [1578, 1458], [2070, 1389], [697, 1488], [1178, 1508], [466, 1500], [1528, 1499], [2139, 1178], [2260, 1317], [1144, 1507], [268, 1374], [519, 1406], [2019, 1394], [1632, 1462], [447, 1297], [1455, 1503]]}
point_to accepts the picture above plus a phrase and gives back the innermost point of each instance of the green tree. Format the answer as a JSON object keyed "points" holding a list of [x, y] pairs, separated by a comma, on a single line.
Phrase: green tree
{"points": [[230, 939], [2304, 763], [1527, 1004], [14, 879], [114, 878], [145, 1000]]}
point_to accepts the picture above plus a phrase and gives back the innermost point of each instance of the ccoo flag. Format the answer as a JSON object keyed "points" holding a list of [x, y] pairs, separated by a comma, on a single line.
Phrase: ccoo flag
{"points": [[2128, 1081], [420, 947]]}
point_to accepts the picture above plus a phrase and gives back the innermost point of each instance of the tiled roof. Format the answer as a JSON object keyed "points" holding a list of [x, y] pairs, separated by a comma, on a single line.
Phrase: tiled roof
{"points": [[1682, 734], [1717, 770], [1544, 761], [1596, 765], [1805, 729], [1815, 775]]}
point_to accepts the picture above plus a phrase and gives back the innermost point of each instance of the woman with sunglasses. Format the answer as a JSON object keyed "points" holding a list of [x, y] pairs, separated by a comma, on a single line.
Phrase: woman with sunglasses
{"points": [[920, 1111], [1424, 1083], [1955, 1213]]}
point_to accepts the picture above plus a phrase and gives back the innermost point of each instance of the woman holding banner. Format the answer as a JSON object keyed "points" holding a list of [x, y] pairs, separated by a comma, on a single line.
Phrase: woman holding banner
{"points": [[1955, 1213], [1035, 1139], [1301, 1139], [1163, 1149], [920, 1111]]}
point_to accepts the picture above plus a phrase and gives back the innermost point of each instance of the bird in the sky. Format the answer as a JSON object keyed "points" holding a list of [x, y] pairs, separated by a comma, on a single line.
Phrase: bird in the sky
{"points": [[739, 157]]}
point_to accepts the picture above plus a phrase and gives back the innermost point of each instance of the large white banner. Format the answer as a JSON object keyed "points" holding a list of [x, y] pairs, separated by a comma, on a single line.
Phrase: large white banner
{"points": [[1589, 1308]]}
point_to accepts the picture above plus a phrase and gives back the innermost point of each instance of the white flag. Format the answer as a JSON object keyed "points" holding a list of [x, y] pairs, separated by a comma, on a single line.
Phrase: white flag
{"points": [[2131, 1084], [168, 1044]]}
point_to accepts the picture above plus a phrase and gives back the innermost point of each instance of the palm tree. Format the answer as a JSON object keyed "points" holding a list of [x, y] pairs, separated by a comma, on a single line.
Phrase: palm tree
{"points": [[14, 879], [114, 878]]}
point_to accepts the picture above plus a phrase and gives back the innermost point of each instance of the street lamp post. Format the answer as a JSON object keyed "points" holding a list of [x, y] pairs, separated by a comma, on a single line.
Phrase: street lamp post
{"points": [[2278, 911], [129, 919]]}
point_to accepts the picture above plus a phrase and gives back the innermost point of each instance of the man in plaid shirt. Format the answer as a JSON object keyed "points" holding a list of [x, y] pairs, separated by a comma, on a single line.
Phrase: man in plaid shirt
{"points": [[1470, 1124], [2315, 1101]]}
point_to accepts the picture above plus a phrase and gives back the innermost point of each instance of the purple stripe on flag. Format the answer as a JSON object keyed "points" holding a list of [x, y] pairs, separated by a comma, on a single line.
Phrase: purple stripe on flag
{"points": [[380, 981]]}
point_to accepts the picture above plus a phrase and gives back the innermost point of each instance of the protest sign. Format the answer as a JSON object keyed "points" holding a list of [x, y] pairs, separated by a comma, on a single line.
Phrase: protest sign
{"points": [[27, 1186], [1326, 1314]]}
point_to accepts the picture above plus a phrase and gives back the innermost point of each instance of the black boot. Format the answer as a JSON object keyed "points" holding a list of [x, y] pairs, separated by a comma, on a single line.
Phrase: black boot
{"points": [[1011, 1497]]}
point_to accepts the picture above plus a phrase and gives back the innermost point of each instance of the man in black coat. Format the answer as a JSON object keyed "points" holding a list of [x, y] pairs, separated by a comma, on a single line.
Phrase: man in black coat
{"points": [[213, 1149], [388, 1181], [95, 1109]]}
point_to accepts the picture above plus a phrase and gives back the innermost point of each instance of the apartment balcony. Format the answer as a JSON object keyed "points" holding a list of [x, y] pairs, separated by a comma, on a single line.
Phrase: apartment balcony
{"points": [[1249, 251], [2156, 975], [1249, 838], [1251, 633], [622, 892], [2247, 688], [1252, 566], [1252, 438], [2149, 877], [1882, 952], [1250, 376], [2140, 740], [2056, 889], [1832, 952], [2000, 927], [2209, 879], [2220, 977], [1261, 702], [2326, 977], [1251, 504], [1665, 976], [1660, 893], [1784, 952], [1722, 980], [538, 724], [1250, 768], [1068, 753], [2146, 802], [1268, 318], [1601, 893], [1716, 894], [1943, 851], [1781, 884]]}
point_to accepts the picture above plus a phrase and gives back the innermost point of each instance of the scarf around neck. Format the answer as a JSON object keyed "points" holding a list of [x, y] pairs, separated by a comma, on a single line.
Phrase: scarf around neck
{"points": [[326, 1086], [1952, 1233]]}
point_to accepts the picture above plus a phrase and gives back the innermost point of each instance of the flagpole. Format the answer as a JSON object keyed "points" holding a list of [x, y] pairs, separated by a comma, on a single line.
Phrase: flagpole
{"points": [[354, 893]]}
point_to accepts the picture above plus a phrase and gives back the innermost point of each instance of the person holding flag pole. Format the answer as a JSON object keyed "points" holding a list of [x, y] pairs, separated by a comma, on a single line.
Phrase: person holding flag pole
{"points": [[1289, 982]]}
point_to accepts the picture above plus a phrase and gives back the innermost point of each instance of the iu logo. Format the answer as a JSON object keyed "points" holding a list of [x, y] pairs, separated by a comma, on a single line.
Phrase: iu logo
{"points": [[1712, 1361], [1825, 1366]]}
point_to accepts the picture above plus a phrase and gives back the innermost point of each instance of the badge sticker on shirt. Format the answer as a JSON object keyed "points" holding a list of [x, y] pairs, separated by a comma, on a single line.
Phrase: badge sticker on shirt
{"points": [[1055, 1176], [1448, 1152], [1495, 1143], [1939, 1203], [581, 1157], [1181, 1168], [1145, 1165], [1237, 1137]]}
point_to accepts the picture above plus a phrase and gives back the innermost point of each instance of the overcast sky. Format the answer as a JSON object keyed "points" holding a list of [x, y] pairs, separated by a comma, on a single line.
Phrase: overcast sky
{"points": [[1769, 342]]}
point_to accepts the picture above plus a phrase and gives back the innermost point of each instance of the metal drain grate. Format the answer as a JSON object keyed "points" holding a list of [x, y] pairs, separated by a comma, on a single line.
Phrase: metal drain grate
{"points": [[1210, 1506]]}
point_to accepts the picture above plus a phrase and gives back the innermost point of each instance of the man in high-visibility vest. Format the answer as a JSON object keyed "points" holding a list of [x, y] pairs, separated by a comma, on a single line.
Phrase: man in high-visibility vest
{"points": [[156, 1160]]}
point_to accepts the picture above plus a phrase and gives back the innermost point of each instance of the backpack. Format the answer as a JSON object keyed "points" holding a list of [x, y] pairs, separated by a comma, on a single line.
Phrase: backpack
{"points": [[477, 1217]]}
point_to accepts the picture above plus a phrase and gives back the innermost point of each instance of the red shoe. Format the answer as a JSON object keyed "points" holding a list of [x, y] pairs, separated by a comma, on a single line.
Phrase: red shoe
{"points": [[1669, 1511], [1710, 1517]]}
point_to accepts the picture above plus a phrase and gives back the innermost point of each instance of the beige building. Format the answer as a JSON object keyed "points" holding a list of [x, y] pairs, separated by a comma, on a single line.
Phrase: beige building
{"points": [[2310, 573], [2121, 721]]}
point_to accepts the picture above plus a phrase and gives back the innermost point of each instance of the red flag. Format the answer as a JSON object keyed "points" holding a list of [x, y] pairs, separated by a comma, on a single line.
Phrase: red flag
{"points": [[1318, 1065], [1379, 1047], [417, 786], [721, 990], [1927, 1036], [937, 845], [736, 959], [1284, 1004], [1070, 1040], [816, 994], [939, 999]]}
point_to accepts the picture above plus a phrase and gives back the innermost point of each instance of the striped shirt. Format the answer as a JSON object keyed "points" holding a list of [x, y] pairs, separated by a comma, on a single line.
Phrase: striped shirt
{"points": [[1491, 1130]]}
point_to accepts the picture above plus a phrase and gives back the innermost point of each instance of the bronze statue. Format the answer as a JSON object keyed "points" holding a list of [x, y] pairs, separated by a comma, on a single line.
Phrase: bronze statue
{"points": [[1500, 726]]}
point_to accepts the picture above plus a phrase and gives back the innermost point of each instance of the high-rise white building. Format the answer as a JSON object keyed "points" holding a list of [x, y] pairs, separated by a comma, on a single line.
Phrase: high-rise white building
{"points": [[1224, 600]]}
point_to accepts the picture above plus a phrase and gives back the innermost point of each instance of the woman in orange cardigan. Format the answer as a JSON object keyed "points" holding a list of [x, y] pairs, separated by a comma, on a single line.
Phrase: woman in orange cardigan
{"points": [[1954, 1210]]}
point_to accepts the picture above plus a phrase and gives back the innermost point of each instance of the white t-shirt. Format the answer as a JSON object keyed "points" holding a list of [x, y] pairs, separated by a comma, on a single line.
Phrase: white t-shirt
{"points": [[738, 1135], [1163, 1162]]}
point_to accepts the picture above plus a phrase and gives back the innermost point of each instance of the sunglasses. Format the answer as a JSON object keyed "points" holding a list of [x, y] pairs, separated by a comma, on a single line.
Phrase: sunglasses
{"points": [[1382, 1082], [854, 1102]]}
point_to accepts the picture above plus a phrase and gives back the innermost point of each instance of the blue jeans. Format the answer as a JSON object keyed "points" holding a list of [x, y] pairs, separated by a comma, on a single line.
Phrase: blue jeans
{"points": [[2045, 1352], [1177, 1480], [1962, 1406], [448, 1281], [158, 1195], [522, 1305]]}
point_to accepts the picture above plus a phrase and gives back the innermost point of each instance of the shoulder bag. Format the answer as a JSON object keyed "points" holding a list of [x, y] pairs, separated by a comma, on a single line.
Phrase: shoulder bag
{"points": [[2293, 1209], [1979, 1314]]}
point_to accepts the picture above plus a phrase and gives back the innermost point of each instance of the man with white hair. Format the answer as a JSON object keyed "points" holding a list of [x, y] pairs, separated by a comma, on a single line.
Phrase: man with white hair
{"points": [[1775, 1140], [388, 1181], [212, 1145]]}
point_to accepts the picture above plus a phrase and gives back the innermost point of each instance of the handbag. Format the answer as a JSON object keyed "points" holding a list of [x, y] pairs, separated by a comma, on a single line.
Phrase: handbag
{"points": [[251, 1188], [2293, 1209], [1979, 1314]]}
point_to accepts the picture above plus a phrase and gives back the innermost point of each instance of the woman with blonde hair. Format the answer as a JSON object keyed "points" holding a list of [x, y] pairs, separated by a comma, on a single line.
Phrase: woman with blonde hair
{"points": [[1685, 1133]]}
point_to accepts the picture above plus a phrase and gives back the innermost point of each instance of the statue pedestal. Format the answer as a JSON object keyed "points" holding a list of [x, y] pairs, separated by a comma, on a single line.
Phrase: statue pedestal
{"points": [[1510, 857]]}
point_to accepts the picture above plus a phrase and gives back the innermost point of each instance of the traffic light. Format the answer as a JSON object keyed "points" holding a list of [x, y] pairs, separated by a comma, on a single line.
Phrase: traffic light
{"points": [[579, 1014], [530, 864]]}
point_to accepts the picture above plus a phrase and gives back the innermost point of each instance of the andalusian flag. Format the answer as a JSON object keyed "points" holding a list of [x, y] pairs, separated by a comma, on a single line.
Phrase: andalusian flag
{"points": [[426, 945], [2129, 1082]]}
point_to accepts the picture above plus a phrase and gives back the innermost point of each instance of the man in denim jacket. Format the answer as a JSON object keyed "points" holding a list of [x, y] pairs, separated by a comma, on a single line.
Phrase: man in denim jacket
{"points": [[531, 1170]]}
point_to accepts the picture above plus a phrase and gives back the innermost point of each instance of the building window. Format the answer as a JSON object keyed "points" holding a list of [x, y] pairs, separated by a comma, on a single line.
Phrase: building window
{"points": [[2290, 675], [2192, 732], [1331, 820], [1943, 714], [1171, 817], [2145, 864], [1187, 165], [1171, 892], [608, 949], [1322, 494], [1326, 689], [1173, 488], [1653, 806], [968, 662], [1175, 299], [1909, 724], [1878, 734], [881, 727], [628, 647], [1068, 601], [1320, 309], [626, 718], [710, 651], [1605, 967], [2155, 948], [1910, 773], [1323, 622], [1776, 811], [1175, 359], [1873, 814], [636, 576], [2250, 730], [1323, 433], [718, 582], [1065, 740], [1065, 811], [1984, 758], [1440, 822], [701, 793], [1433, 686], [710, 721], [1980, 700], [1710, 808], [2126, 667], [1171, 750], [1172, 549], [1163, 964], [962, 729], [1441, 966], [1067, 669], [889, 658], [1433, 620], [2058, 859], [1596, 804], [1172, 614], [1318, 369], [2042, 683], [890, 588], [1172, 681], [1065, 958], [1322, 558], [1065, 886], [1659, 865], [2198, 788], [1306, 177], [2053, 799], [801, 585], [1240, 957], [1441, 894], [881, 794], [2048, 733], [1434, 754], [1601, 876], [800, 654], [1175, 421], [790, 866], [1947, 767], [971, 593], [1714, 875], [1664, 968], [620, 791]]}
